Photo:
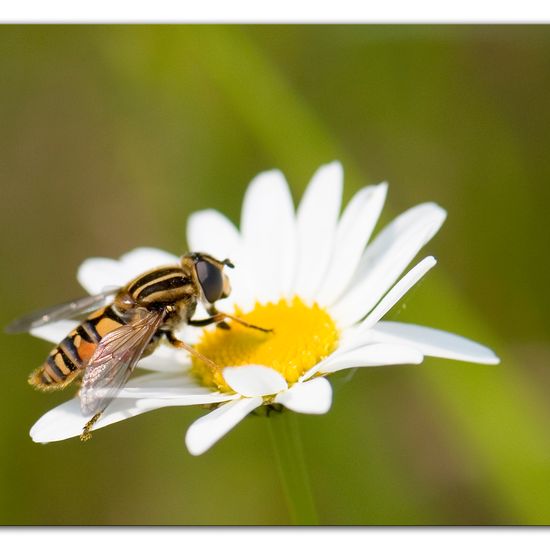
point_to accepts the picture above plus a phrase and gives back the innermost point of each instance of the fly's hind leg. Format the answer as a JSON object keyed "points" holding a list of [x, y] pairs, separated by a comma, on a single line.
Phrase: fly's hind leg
{"points": [[87, 430]]}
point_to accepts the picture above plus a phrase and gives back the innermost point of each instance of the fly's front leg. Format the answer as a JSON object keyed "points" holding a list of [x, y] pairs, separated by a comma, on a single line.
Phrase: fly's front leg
{"points": [[220, 324], [220, 317]]}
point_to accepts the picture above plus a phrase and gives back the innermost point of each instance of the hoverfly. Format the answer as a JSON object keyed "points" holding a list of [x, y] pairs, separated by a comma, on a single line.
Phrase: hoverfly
{"points": [[123, 325]]}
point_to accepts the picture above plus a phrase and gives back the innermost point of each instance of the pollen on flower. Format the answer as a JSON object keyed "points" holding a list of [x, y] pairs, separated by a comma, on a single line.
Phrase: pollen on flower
{"points": [[302, 336]]}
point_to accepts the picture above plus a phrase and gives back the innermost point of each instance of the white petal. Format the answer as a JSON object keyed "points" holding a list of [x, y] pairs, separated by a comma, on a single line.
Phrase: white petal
{"points": [[208, 429], [254, 380], [169, 390], [55, 332], [268, 229], [211, 232], [174, 361], [187, 333], [316, 227], [398, 291], [97, 274], [164, 386], [152, 402], [143, 259], [386, 258], [353, 233], [433, 342], [373, 355], [67, 421], [311, 397]]}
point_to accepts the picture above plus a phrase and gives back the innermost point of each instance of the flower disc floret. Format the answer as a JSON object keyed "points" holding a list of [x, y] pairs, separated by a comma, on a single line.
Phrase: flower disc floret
{"points": [[302, 335]]}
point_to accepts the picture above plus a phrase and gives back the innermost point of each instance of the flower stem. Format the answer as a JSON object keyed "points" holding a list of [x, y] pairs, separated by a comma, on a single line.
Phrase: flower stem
{"points": [[289, 455]]}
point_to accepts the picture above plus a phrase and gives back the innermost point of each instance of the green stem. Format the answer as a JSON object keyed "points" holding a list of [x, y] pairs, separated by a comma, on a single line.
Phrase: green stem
{"points": [[289, 455]]}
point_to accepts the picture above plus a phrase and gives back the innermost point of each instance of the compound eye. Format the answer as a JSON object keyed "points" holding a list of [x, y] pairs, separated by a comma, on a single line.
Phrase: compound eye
{"points": [[210, 279]]}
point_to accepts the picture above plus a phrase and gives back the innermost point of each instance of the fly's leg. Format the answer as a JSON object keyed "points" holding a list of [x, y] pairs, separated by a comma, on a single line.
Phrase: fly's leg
{"points": [[177, 343], [220, 317], [87, 430], [245, 324], [213, 312]]}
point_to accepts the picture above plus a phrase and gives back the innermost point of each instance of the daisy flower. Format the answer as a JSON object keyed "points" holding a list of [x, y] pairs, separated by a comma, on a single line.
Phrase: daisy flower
{"points": [[313, 275]]}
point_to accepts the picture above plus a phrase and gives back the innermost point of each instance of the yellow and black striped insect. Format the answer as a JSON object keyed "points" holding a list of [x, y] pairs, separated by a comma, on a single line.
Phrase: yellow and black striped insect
{"points": [[127, 324]]}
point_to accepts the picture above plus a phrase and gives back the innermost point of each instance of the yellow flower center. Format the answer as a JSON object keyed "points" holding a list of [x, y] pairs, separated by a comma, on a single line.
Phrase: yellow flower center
{"points": [[301, 337]]}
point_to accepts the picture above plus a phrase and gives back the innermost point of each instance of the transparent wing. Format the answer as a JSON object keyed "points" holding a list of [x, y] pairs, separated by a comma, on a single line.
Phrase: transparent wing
{"points": [[60, 311], [115, 358]]}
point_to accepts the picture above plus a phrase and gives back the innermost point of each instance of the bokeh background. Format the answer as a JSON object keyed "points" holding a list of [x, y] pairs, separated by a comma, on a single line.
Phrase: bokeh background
{"points": [[111, 136]]}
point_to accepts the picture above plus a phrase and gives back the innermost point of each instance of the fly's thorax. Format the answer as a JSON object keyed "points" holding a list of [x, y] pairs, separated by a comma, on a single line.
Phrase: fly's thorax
{"points": [[159, 288]]}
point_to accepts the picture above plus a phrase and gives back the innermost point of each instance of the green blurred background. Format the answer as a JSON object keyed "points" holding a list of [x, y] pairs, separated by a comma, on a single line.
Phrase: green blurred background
{"points": [[111, 136]]}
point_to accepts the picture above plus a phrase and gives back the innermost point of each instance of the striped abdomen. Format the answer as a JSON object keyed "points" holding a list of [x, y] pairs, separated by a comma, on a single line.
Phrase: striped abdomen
{"points": [[70, 357], [153, 289], [161, 286]]}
